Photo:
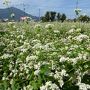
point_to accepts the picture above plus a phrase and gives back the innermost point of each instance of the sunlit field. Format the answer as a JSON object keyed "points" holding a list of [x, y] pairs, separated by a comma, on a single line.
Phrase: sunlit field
{"points": [[44, 56]]}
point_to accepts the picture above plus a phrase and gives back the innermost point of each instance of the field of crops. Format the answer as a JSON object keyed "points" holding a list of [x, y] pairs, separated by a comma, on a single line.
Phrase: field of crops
{"points": [[44, 56]]}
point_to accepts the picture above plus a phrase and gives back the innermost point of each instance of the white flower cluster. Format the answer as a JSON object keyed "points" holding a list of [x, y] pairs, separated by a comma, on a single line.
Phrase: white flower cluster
{"points": [[33, 56], [49, 86], [56, 31], [6, 56], [29, 87], [37, 46], [2, 44], [73, 31], [83, 86], [37, 26], [49, 26], [63, 59], [36, 72], [83, 56], [82, 37]]}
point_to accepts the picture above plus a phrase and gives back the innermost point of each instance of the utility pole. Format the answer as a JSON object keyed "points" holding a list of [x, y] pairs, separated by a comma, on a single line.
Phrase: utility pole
{"points": [[39, 13], [24, 8], [77, 4], [76, 9]]}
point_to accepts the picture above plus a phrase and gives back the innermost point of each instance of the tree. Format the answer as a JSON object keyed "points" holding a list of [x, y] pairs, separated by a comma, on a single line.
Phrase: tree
{"points": [[84, 18], [47, 16], [63, 17], [58, 16], [43, 19], [52, 16]]}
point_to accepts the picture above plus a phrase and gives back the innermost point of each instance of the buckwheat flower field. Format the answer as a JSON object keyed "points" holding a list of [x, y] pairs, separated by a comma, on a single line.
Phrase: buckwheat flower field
{"points": [[44, 56]]}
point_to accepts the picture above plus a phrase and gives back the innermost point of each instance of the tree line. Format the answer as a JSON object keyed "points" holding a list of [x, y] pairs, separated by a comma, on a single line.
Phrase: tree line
{"points": [[84, 18], [53, 16]]}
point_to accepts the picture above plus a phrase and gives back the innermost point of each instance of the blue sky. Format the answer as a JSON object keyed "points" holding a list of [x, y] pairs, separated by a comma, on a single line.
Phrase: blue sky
{"points": [[63, 6]]}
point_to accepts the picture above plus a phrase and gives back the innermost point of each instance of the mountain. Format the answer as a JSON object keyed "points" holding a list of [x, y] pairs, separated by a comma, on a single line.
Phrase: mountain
{"points": [[5, 13]]}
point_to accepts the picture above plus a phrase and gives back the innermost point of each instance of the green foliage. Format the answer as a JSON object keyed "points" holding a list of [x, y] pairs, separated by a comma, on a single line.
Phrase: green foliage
{"points": [[53, 16], [63, 17], [58, 16], [84, 18]]}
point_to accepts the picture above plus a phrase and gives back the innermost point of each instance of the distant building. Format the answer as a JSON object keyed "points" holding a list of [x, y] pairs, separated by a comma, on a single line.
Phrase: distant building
{"points": [[25, 18], [5, 20]]}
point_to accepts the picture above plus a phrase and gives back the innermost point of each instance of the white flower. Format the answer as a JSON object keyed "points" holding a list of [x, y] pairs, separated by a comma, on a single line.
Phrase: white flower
{"points": [[74, 47], [23, 50], [48, 83], [30, 64], [31, 58], [61, 82], [56, 31], [54, 87], [29, 87], [37, 52], [57, 75], [79, 78], [48, 46], [10, 66], [43, 88], [11, 81], [74, 30], [73, 26], [11, 23], [6, 2], [3, 78], [69, 37], [64, 40], [51, 74], [2, 44], [37, 26], [71, 31], [37, 46], [78, 9], [49, 86], [62, 59], [24, 88], [14, 71], [49, 26], [37, 66], [88, 47], [63, 72], [6, 56], [78, 29], [83, 56], [36, 72], [35, 41], [83, 86], [74, 60], [82, 37], [8, 89]]}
